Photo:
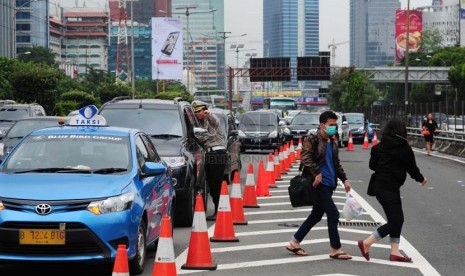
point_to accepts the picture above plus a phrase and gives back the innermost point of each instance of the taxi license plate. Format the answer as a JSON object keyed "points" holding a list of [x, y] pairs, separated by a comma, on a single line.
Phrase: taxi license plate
{"points": [[41, 236]]}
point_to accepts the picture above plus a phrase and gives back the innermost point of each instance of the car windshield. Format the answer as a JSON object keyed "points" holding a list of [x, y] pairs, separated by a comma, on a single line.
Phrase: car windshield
{"points": [[13, 113], [306, 119], [263, 119], [64, 153], [22, 128], [162, 121], [354, 118]]}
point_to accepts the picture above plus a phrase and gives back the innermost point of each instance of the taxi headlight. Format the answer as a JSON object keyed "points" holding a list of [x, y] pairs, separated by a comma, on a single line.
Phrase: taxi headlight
{"points": [[241, 133], [174, 161], [273, 134], [112, 204], [286, 130], [2, 207]]}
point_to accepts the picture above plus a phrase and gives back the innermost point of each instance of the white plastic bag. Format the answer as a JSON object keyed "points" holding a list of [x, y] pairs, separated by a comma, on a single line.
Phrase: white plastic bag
{"points": [[352, 208]]}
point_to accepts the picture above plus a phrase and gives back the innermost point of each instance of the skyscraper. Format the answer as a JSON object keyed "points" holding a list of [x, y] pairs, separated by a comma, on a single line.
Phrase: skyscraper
{"points": [[291, 28], [372, 30]]}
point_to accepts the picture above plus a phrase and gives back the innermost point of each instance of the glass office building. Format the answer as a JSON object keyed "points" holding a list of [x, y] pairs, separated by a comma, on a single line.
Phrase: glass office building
{"points": [[291, 29], [372, 30]]}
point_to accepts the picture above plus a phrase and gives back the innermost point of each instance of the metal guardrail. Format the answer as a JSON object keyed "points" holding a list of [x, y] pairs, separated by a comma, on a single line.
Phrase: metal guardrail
{"points": [[451, 136]]}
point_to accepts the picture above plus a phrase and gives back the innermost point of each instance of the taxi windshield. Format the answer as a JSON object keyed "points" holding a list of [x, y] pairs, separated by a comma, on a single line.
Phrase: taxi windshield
{"points": [[76, 152]]}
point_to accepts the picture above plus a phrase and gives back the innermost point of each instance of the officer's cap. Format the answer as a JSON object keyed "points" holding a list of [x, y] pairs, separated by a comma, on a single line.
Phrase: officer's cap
{"points": [[199, 106]]}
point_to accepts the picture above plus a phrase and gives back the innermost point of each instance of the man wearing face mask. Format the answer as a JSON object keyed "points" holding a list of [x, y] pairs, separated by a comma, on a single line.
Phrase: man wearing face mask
{"points": [[321, 165]]}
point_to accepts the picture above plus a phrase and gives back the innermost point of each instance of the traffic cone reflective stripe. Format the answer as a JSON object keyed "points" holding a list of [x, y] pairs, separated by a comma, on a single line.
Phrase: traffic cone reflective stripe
{"points": [[299, 149], [270, 172], [262, 186], [374, 142], [224, 229], [121, 266], [350, 145], [277, 167], [164, 259], [199, 255], [281, 160], [366, 145], [250, 196], [292, 152], [237, 208]]}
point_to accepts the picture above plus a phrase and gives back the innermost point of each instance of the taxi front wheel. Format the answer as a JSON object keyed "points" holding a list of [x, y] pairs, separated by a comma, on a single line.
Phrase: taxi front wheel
{"points": [[137, 264]]}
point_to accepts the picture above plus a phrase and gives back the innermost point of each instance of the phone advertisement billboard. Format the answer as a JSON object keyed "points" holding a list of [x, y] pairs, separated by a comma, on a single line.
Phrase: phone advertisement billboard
{"points": [[167, 48], [415, 32]]}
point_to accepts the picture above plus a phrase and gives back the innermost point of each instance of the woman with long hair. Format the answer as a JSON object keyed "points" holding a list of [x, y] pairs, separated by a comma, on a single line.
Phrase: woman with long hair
{"points": [[429, 125], [391, 160]]}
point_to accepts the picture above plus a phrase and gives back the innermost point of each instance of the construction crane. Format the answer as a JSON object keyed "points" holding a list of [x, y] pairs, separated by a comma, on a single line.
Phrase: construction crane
{"points": [[333, 47]]}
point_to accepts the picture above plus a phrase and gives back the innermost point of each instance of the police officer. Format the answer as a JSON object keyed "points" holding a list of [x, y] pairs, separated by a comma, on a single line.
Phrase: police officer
{"points": [[214, 143]]}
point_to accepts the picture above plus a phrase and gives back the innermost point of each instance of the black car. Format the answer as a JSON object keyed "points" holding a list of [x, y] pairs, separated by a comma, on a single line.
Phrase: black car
{"points": [[358, 127], [301, 125], [22, 127], [10, 113], [228, 122], [260, 130], [171, 124]]}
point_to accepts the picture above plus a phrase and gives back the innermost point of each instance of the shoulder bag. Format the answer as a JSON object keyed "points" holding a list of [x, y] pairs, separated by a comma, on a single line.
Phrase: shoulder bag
{"points": [[301, 191], [371, 185]]}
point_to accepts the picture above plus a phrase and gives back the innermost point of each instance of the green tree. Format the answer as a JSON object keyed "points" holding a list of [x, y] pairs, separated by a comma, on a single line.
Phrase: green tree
{"points": [[38, 54], [107, 91], [431, 41], [6, 67]]}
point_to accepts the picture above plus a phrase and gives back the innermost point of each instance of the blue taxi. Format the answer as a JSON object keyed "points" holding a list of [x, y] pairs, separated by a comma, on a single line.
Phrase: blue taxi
{"points": [[73, 193]]}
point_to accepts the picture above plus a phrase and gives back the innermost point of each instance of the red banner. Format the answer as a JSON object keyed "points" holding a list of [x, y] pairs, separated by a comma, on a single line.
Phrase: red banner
{"points": [[415, 32]]}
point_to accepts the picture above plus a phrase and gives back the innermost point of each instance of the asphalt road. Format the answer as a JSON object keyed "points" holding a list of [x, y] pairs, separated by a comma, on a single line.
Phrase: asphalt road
{"points": [[432, 235]]}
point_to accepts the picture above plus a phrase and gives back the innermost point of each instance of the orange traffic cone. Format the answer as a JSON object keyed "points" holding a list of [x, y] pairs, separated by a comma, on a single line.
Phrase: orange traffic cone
{"points": [[374, 142], [237, 208], [262, 186], [164, 259], [350, 145], [277, 167], [199, 256], [121, 266], [366, 145], [270, 172], [292, 152], [250, 197], [282, 166], [224, 228], [299, 149]]}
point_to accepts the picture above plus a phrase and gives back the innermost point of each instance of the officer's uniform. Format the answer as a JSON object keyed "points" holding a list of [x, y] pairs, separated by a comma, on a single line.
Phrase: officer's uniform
{"points": [[216, 156]]}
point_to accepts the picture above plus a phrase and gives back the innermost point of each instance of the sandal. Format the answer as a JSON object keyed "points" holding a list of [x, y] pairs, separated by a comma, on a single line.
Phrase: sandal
{"points": [[341, 256], [297, 250]]}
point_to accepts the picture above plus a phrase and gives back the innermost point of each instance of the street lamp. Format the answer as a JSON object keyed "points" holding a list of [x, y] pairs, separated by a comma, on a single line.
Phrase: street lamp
{"points": [[407, 58], [224, 36], [13, 24], [187, 13]]}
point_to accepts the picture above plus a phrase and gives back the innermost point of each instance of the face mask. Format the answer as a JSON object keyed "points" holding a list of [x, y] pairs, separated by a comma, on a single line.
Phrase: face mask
{"points": [[331, 130]]}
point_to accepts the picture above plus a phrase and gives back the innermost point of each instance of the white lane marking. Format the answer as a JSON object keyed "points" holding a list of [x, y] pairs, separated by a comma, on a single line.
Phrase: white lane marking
{"points": [[298, 219], [306, 210], [456, 159], [279, 191], [287, 203], [272, 197], [293, 230]]}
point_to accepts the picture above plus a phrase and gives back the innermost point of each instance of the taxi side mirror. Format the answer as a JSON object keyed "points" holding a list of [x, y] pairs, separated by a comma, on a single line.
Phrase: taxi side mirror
{"points": [[152, 168]]}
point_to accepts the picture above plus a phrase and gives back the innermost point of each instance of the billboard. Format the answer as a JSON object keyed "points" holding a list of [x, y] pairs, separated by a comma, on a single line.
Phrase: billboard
{"points": [[167, 48], [415, 32]]}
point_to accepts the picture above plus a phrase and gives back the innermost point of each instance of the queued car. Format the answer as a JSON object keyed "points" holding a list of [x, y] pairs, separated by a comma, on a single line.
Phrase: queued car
{"points": [[342, 130], [74, 193], [290, 114], [233, 147], [301, 125], [22, 127], [12, 112], [260, 130], [358, 126], [171, 125]]}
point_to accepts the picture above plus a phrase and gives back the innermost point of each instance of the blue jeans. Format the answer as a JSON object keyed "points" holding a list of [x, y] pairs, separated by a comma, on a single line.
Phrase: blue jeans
{"points": [[324, 204]]}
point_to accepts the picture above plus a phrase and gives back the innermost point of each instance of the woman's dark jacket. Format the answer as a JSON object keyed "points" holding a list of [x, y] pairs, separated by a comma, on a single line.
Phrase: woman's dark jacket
{"points": [[313, 155], [431, 127], [391, 160]]}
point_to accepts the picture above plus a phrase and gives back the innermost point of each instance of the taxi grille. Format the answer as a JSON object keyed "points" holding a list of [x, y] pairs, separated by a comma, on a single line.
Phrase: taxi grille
{"points": [[79, 241], [57, 206]]}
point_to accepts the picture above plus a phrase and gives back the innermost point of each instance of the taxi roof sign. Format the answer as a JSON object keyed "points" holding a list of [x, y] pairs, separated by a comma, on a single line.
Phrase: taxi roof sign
{"points": [[88, 117]]}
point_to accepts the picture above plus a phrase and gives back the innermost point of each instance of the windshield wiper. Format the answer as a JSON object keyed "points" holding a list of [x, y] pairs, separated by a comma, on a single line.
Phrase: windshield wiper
{"points": [[165, 136], [57, 170], [110, 170]]}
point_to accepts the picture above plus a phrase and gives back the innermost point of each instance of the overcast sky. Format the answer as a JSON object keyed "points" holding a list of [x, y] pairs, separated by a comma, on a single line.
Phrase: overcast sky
{"points": [[246, 16]]}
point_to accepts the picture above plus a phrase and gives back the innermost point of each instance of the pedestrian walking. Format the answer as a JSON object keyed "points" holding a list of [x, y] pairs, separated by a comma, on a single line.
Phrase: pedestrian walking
{"points": [[321, 165], [214, 142], [391, 160], [429, 125]]}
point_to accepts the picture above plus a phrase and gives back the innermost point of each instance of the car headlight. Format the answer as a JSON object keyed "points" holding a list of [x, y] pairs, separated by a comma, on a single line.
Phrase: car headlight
{"points": [[112, 204], [273, 134], [241, 133], [287, 130], [2, 207], [174, 161], [2, 146], [312, 131]]}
